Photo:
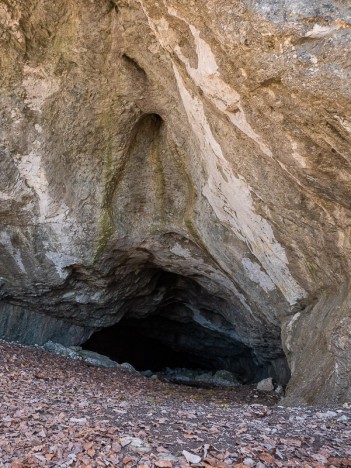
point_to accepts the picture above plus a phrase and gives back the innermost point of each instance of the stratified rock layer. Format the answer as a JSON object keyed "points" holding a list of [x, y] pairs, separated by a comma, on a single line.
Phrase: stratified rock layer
{"points": [[183, 159]]}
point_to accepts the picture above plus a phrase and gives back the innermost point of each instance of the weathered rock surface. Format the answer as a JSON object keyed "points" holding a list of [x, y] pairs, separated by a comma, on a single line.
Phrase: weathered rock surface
{"points": [[79, 354], [185, 160], [96, 359], [266, 385], [221, 378]]}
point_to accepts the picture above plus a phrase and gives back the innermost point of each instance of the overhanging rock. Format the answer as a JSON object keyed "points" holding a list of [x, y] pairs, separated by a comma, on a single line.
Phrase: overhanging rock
{"points": [[184, 160]]}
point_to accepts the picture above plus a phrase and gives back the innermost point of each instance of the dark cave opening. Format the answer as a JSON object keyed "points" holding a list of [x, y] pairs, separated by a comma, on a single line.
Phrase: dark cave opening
{"points": [[155, 343], [125, 342], [176, 323]]}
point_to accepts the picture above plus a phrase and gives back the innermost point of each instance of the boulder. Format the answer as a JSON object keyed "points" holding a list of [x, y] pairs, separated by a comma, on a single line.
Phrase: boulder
{"points": [[224, 377], [96, 359], [128, 367], [221, 378], [77, 353], [57, 348], [266, 385]]}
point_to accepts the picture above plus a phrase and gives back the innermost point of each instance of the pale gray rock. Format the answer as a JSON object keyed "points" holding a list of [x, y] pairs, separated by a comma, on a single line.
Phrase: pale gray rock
{"points": [[96, 359], [77, 353], [343, 418], [168, 457], [191, 457], [128, 366], [135, 444], [266, 385], [57, 348], [181, 160], [323, 331], [327, 415], [248, 462]]}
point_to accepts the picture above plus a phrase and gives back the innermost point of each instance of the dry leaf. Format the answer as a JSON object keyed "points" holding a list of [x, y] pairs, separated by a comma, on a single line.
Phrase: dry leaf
{"points": [[163, 464]]}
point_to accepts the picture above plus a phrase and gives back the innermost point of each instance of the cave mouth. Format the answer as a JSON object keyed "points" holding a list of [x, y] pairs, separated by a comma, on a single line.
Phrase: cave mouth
{"points": [[128, 341], [157, 343]]}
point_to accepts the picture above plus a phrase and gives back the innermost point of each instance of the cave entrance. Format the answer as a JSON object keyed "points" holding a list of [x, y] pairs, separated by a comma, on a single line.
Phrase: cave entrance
{"points": [[181, 325], [156, 343], [129, 341]]}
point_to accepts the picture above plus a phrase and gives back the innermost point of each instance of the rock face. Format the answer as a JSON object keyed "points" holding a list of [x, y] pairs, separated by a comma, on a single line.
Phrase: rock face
{"points": [[189, 160]]}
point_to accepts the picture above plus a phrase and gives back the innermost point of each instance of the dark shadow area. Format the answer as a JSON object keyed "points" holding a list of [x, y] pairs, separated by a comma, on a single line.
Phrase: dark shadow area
{"points": [[181, 325], [155, 342], [126, 343]]}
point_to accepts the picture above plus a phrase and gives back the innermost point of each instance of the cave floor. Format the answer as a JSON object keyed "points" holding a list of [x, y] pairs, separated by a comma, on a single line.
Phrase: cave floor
{"points": [[56, 412]]}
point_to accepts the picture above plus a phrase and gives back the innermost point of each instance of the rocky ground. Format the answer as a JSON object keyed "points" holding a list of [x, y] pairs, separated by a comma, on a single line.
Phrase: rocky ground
{"points": [[56, 412]]}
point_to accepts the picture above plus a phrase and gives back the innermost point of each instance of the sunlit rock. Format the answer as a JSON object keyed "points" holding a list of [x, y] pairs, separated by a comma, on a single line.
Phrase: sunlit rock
{"points": [[186, 164]]}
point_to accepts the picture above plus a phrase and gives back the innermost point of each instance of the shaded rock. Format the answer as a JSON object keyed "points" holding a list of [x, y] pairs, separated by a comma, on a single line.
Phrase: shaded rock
{"points": [[29, 327], [200, 378], [223, 376], [76, 348], [96, 359], [147, 373], [323, 331], [128, 366], [266, 385], [57, 348], [77, 353]]}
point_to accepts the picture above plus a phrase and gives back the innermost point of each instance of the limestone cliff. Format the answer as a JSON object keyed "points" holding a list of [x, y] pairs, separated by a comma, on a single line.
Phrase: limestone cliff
{"points": [[183, 159]]}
